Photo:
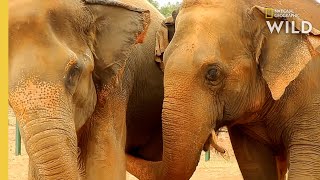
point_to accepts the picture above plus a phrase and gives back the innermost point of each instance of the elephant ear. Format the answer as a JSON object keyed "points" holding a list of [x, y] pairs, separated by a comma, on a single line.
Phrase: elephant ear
{"points": [[163, 37], [170, 23], [162, 42], [281, 57], [116, 28]]}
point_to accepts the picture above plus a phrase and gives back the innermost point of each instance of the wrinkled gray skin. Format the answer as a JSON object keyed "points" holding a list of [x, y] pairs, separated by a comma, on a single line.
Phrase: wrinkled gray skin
{"points": [[80, 82], [224, 68]]}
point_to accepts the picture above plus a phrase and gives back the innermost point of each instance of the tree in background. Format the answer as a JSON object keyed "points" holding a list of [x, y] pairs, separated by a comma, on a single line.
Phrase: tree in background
{"points": [[167, 9], [154, 3]]}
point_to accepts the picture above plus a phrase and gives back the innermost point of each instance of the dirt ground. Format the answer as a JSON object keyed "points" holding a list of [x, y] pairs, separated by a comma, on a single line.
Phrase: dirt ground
{"points": [[217, 168]]}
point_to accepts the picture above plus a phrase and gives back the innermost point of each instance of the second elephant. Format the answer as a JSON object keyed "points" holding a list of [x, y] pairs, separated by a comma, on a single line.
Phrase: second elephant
{"points": [[225, 67]]}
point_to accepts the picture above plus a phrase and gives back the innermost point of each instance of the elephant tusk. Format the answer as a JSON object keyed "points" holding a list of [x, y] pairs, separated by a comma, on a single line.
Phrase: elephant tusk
{"points": [[214, 143], [222, 151]]}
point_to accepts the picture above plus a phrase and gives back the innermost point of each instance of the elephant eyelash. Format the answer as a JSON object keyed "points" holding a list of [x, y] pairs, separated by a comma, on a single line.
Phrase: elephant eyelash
{"points": [[74, 70]]}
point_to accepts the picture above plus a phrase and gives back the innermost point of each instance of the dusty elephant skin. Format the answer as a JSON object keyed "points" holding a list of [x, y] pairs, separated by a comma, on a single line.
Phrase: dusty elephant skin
{"points": [[263, 86], [223, 67], [76, 71]]}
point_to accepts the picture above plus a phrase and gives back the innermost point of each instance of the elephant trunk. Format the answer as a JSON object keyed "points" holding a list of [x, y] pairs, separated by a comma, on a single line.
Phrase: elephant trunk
{"points": [[52, 147], [48, 131], [185, 130]]}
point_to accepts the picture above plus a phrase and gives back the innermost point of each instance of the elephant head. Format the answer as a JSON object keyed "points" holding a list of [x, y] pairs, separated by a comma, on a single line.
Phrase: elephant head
{"points": [[219, 69], [61, 53]]}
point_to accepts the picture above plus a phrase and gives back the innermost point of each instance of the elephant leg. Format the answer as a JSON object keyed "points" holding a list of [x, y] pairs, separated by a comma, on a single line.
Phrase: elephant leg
{"points": [[256, 160], [105, 147]]}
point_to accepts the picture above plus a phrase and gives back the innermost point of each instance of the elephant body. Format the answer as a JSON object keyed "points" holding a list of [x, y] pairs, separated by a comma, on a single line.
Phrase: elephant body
{"points": [[84, 85], [144, 130]]}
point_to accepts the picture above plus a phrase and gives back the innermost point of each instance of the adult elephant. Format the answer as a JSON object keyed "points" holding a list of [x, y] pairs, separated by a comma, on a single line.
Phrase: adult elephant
{"points": [[77, 76], [264, 86], [224, 67]]}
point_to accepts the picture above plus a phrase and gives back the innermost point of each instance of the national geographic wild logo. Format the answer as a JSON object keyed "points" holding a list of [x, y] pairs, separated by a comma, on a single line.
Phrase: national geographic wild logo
{"points": [[270, 13]]}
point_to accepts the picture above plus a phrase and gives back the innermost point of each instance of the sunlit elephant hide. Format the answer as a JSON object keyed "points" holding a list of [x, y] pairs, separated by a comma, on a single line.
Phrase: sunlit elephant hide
{"points": [[224, 67], [84, 85]]}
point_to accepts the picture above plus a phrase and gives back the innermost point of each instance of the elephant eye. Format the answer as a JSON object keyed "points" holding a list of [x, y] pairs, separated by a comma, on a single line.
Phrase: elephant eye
{"points": [[73, 75], [74, 71], [214, 74]]}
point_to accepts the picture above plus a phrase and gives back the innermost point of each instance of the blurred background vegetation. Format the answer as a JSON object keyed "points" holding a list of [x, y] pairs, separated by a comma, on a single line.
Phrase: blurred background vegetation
{"points": [[166, 9]]}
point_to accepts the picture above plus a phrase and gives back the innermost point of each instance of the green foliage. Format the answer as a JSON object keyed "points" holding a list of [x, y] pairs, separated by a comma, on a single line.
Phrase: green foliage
{"points": [[154, 3], [167, 9]]}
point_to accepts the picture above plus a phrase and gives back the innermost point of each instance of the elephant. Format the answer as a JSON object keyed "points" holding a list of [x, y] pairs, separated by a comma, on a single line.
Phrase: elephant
{"points": [[84, 85], [225, 67]]}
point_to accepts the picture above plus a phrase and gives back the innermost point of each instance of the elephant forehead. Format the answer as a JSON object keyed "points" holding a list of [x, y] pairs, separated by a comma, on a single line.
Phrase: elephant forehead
{"points": [[209, 22], [206, 36], [43, 34], [30, 12]]}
